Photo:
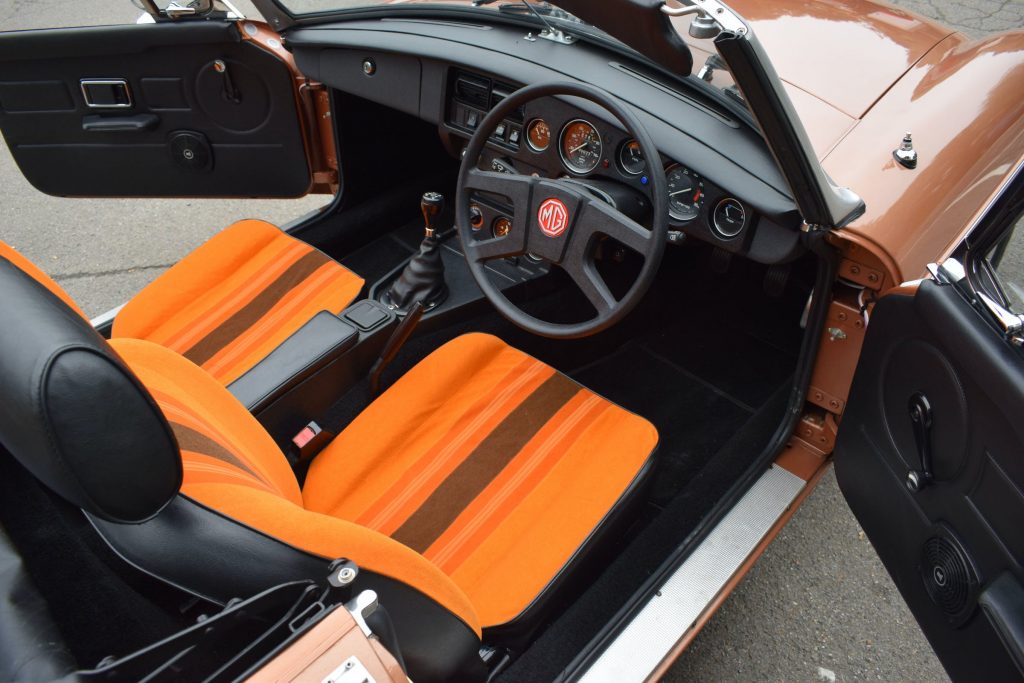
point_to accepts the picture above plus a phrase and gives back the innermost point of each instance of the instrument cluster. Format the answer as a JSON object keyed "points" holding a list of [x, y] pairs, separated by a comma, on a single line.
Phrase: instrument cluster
{"points": [[551, 138]]}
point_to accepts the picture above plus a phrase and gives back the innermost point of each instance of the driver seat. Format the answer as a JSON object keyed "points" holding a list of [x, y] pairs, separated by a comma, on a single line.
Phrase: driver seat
{"points": [[467, 493]]}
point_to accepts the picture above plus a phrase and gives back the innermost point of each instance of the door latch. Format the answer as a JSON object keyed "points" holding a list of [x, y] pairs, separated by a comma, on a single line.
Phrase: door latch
{"points": [[921, 419]]}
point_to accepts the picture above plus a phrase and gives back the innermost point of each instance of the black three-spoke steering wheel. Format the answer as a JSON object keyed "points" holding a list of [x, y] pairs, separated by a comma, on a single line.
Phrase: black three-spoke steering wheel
{"points": [[559, 221]]}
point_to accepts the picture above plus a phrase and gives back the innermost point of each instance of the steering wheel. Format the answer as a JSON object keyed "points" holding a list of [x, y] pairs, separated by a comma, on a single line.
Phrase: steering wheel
{"points": [[558, 221]]}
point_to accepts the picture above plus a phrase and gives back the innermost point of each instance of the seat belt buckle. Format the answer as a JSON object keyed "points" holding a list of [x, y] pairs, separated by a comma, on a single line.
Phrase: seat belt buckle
{"points": [[310, 440]]}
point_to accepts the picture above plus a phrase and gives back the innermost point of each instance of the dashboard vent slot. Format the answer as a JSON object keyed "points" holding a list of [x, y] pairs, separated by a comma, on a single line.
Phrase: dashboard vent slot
{"points": [[473, 90], [500, 92]]}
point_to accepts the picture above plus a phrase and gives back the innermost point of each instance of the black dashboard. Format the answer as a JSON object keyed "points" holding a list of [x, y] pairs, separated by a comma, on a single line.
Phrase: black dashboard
{"points": [[724, 187]]}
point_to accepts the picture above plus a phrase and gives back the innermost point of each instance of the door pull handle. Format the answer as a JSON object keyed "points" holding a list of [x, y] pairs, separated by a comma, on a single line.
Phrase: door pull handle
{"points": [[921, 418]]}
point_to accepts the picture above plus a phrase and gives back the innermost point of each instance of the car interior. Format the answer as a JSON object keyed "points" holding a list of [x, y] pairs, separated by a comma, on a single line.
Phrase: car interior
{"points": [[423, 380]]}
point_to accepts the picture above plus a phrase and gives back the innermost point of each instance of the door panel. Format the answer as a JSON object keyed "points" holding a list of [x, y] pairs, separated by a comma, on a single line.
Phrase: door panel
{"points": [[159, 110], [959, 540]]}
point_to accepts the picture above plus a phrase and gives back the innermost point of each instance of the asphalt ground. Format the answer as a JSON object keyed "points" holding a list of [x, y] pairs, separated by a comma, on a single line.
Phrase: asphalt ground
{"points": [[818, 606]]}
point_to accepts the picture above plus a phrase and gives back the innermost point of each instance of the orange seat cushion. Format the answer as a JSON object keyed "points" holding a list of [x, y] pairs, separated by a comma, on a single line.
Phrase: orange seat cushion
{"points": [[8, 252], [233, 300], [232, 465], [490, 463]]}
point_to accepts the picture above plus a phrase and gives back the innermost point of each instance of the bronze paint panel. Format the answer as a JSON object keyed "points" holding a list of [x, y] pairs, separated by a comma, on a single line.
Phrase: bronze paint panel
{"points": [[963, 104], [323, 648]]}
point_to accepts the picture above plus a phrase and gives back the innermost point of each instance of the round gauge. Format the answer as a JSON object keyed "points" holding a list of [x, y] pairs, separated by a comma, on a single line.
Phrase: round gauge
{"points": [[502, 226], [538, 135], [685, 192], [631, 158], [729, 218], [476, 217], [580, 146]]}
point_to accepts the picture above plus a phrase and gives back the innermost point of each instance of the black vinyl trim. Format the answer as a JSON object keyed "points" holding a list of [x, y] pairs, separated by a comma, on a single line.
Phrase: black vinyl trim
{"points": [[205, 553]]}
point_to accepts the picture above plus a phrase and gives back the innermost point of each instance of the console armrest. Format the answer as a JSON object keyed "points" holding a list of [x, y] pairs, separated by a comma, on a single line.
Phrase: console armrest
{"points": [[310, 348]]}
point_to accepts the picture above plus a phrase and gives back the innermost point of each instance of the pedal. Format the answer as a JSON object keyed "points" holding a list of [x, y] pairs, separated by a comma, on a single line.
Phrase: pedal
{"points": [[775, 280], [719, 261]]}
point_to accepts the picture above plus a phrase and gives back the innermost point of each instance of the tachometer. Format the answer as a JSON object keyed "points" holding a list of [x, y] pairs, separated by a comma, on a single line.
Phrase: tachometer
{"points": [[538, 135], [580, 146], [631, 158], [685, 192]]}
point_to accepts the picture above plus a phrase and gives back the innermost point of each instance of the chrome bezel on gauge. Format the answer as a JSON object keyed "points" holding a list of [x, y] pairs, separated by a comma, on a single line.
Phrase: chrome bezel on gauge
{"points": [[700, 204], [622, 163], [579, 170], [721, 232], [529, 142]]}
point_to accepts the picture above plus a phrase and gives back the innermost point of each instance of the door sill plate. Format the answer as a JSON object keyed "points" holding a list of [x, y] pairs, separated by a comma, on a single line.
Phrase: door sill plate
{"points": [[654, 631]]}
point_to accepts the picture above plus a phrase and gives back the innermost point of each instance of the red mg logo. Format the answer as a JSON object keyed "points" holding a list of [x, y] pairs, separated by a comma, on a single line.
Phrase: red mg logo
{"points": [[553, 217]]}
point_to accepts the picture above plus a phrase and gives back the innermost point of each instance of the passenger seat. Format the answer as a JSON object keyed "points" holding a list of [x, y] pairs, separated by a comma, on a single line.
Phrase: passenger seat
{"points": [[231, 301]]}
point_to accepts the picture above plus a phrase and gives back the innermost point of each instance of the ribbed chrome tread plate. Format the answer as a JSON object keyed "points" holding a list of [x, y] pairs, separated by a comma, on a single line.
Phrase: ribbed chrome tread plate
{"points": [[658, 626]]}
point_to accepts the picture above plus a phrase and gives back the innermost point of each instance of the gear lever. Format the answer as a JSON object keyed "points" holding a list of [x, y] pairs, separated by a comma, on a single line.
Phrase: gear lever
{"points": [[422, 279]]}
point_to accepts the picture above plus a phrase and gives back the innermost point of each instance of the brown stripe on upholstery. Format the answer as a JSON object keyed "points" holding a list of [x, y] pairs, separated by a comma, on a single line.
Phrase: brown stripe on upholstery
{"points": [[225, 333], [196, 442], [485, 463]]}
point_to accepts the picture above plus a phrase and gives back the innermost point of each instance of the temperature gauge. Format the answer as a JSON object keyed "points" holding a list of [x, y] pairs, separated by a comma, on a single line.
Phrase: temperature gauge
{"points": [[631, 158]]}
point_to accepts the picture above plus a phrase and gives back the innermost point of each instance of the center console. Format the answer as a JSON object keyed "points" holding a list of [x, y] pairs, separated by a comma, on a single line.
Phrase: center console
{"points": [[310, 370]]}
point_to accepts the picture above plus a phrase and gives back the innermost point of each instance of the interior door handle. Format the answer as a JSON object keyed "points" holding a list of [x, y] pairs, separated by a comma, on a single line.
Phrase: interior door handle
{"points": [[921, 419], [119, 124]]}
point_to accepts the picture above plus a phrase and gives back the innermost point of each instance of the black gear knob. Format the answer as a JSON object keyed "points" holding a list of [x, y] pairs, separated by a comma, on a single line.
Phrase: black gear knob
{"points": [[431, 204]]}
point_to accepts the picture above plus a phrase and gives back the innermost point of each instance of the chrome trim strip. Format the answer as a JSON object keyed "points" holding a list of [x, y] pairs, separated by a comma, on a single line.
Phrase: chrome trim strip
{"points": [[105, 318], [106, 81], [668, 615]]}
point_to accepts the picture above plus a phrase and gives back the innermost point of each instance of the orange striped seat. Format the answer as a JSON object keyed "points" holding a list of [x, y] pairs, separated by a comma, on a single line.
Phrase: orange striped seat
{"points": [[475, 478], [231, 301]]}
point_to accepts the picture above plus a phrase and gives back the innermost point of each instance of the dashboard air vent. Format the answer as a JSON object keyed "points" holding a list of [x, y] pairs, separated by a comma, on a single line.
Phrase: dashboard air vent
{"points": [[473, 90]]}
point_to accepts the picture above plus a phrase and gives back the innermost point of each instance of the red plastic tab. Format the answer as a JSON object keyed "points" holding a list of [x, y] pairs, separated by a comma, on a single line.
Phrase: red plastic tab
{"points": [[303, 437]]}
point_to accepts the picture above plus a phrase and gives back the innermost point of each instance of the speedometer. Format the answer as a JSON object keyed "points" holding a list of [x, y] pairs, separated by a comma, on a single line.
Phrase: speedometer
{"points": [[580, 146], [685, 192]]}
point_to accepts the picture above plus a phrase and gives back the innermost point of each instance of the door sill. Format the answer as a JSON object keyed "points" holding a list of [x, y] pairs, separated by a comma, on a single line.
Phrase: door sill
{"points": [[656, 628]]}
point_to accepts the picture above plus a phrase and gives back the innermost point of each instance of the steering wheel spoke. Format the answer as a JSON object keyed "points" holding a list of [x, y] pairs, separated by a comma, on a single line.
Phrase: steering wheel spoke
{"points": [[584, 273], [517, 188], [598, 217]]}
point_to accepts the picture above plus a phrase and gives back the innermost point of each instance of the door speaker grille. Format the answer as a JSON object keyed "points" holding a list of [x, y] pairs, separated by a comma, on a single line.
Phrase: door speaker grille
{"points": [[949, 577]]}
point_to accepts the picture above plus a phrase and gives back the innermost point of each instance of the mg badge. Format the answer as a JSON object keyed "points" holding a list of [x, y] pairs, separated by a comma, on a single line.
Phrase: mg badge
{"points": [[553, 217]]}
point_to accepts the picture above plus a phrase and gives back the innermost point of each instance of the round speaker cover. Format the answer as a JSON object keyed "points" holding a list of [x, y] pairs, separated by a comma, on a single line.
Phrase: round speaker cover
{"points": [[949, 577]]}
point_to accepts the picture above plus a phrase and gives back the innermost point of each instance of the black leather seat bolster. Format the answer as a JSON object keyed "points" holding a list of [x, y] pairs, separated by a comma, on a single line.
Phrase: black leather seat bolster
{"points": [[31, 647], [435, 644], [73, 414], [311, 347]]}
